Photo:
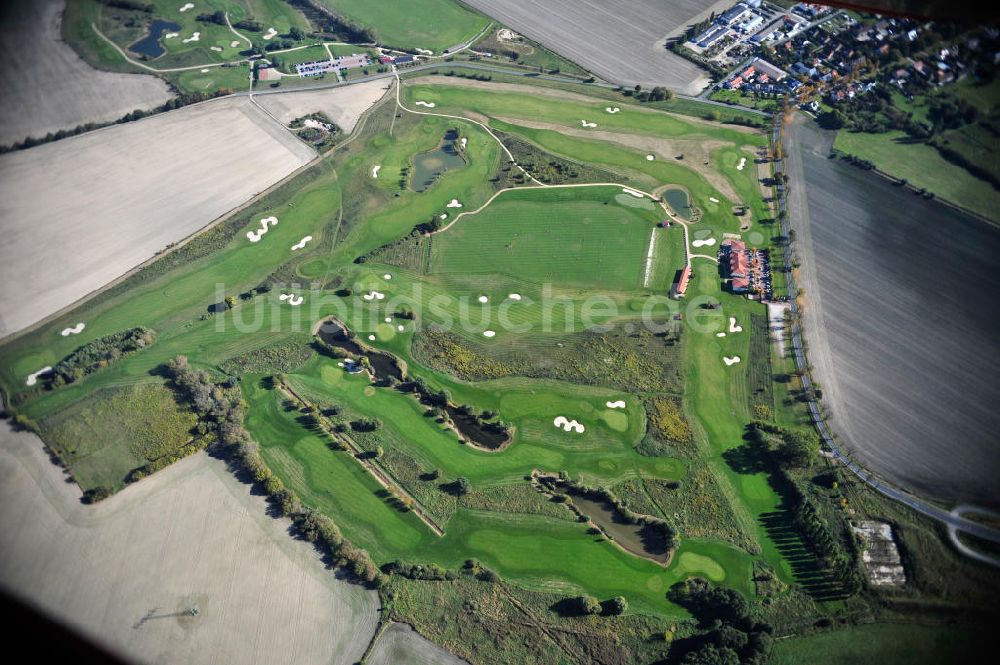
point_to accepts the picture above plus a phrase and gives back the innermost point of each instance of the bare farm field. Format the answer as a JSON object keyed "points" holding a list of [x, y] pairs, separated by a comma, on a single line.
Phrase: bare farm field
{"points": [[621, 41], [129, 570], [401, 644], [44, 84], [900, 317], [80, 212], [343, 105]]}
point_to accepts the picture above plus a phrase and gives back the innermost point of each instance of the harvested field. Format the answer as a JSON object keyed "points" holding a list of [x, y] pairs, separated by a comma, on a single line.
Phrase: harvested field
{"points": [[623, 42], [901, 320], [401, 644], [125, 571], [342, 105], [80, 212], [44, 84]]}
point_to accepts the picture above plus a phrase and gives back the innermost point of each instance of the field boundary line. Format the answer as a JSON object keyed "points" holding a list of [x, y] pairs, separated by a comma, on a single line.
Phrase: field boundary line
{"points": [[384, 478]]}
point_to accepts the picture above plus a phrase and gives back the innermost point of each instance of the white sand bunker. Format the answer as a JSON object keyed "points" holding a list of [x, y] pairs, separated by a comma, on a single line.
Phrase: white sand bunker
{"points": [[650, 158], [388, 319], [429, 105], [588, 124], [400, 328], [489, 333], [713, 199], [302, 243], [374, 295], [371, 338], [292, 299], [443, 215], [514, 296], [703, 243], [733, 328], [633, 192], [75, 330], [193, 38], [33, 378], [483, 299], [454, 204], [464, 142], [234, 43], [204, 71], [720, 334], [730, 361], [609, 109], [217, 49], [375, 170], [271, 32], [743, 162], [267, 222], [617, 404], [187, 6], [568, 425], [171, 35], [386, 276]]}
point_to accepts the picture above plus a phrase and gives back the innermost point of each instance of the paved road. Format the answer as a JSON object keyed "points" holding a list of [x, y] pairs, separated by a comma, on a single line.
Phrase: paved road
{"points": [[795, 205]]}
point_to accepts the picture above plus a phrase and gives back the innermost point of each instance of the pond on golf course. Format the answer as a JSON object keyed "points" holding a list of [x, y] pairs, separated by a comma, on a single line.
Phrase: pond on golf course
{"points": [[640, 539], [150, 44], [679, 202], [429, 166]]}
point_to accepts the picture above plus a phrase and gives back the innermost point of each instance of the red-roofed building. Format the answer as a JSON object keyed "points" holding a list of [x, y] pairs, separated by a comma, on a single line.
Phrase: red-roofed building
{"points": [[739, 284], [682, 282], [738, 264]]}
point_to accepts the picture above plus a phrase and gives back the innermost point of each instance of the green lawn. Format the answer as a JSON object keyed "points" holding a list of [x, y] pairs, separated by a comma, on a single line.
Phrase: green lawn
{"points": [[586, 236], [922, 166], [435, 25]]}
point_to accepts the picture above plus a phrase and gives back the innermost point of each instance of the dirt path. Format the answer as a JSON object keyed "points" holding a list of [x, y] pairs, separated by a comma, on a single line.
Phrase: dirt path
{"points": [[126, 570]]}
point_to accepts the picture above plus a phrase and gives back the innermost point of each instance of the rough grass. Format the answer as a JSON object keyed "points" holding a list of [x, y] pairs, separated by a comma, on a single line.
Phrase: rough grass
{"points": [[113, 431], [437, 24]]}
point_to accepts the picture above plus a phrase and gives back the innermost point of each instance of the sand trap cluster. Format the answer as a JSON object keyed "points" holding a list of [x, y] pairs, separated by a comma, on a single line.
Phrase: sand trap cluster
{"points": [[454, 204], [514, 296], [650, 158], [429, 105], [703, 243], [375, 170], [483, 299], [489, 333], [234, 43], [271, 32], [75, 330], [743, 162], [171, 35], [443, 215], [374, 295], [610, 109], [186, 6], [33, 378], [733, 328], [588, 124], [568, 425], [292, 299], [713, 199], [265, 224], [217, 49], [193, 38], [633, 192], [730, 361], [617, 404], [302, 243]]}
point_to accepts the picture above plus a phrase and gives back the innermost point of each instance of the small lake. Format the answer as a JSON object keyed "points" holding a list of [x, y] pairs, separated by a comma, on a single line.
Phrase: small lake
{"points": [[639, 539], [383, 364], [679, 202], [150, 44], [428, 166]]}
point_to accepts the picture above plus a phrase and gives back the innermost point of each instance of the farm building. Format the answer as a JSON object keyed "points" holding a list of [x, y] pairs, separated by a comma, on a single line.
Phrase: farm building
{"points": [[402, 59]]}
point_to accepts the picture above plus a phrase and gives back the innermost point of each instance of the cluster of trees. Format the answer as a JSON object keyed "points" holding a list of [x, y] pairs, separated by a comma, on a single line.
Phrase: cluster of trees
{"points": [[732, 636], [418, 571], [830, 550], [588, 605], [168, 459], [218, 413], [334, 24], [98, 354], [789, 448]]}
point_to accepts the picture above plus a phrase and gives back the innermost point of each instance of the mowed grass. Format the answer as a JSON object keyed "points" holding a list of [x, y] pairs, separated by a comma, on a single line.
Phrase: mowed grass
{"points": [[885, 644], [110, 432], [435, 25], [579, 236], [922, 166]]}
